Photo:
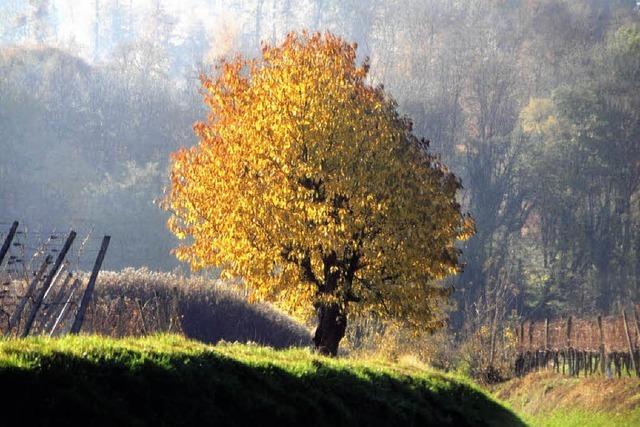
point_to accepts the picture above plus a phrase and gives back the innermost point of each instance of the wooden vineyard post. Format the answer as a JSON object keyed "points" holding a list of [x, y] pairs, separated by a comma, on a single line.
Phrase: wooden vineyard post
{"points": [[520, 359], [86, 297], [637, 321], [629, 344], [58, 275], [546, 342], [54, 306], [568, 345], [531, 358], [47, 283], [17, 313], [72, 291], [492, 348], [546, 333], [7, 241], [601, 349]]}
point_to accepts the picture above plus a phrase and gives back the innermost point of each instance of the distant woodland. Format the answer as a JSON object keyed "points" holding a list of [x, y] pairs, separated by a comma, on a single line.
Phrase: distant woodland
{"points": [[534, 104]]}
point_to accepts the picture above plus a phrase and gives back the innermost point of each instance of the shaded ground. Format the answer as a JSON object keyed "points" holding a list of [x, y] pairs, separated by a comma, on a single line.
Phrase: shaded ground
{"points": [[167, 380]]}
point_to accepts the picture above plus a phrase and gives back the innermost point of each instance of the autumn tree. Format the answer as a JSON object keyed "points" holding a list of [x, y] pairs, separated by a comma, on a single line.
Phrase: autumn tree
{"points": [[309, 185]]}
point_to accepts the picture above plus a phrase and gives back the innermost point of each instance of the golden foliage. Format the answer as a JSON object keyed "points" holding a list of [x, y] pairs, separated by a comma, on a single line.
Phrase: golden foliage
{"points": [[309, 185], [538, 116]]}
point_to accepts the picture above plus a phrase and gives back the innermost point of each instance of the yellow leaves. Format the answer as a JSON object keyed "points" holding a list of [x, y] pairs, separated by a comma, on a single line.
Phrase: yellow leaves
{"points": [[468, 228], [538, 116], [226, 275], [300, 160]]}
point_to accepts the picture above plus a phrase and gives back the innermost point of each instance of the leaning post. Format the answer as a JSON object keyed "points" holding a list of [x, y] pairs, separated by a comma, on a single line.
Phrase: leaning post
{"points": [[17, 313], [86, 297], [47, 283], [7, 241], [72, 291]]}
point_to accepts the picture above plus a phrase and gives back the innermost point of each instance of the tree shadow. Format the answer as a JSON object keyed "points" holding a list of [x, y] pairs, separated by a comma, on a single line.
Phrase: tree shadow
{"points": [[130, 388]]}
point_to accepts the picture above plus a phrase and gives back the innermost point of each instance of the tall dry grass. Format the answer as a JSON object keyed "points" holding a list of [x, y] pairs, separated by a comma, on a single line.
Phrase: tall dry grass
{"points": [[135, 302]]}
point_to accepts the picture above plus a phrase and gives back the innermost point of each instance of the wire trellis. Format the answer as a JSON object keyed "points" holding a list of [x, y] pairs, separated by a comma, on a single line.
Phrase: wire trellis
{"points": [[42, 283]]}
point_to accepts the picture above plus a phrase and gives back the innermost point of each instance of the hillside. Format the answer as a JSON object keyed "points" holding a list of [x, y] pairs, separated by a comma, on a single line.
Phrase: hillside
{"points": [[549, 399], [168, 380]]}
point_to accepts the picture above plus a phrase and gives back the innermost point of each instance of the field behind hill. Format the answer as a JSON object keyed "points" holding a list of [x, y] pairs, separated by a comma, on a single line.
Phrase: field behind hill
{"points": [[547, 399]]}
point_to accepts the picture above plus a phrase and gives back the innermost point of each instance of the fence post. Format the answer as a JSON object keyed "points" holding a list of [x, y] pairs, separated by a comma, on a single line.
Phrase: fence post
{"points": [[84, 302], [568, 344], [72, 290], [7, 241], [492, 348], [629, 344], [546, 342], [55, 281], [17, 313], [546, 333], [54, 305], [47, 283], [601, 349], [637, 321]]}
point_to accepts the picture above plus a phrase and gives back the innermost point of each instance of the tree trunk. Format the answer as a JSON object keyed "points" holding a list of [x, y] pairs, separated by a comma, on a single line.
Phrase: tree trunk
{"points": [[332, 323]]}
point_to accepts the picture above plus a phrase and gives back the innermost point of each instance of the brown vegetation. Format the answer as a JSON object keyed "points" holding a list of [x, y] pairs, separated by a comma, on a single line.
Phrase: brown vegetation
{"points": [[546, 392], [584, 333], [136, 302]]}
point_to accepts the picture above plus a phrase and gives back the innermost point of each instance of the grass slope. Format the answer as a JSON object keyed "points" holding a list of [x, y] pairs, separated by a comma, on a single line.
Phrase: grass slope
{"points": [[548, 399], [168, 380]]}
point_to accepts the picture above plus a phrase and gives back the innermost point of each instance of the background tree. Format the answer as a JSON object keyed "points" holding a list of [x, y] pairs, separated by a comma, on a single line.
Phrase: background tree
{"points": [[588, 164], [87, 139], [309, 185]]}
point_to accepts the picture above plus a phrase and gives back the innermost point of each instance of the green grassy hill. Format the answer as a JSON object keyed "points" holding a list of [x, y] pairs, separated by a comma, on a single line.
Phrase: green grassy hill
{"points": [[168, 380]]}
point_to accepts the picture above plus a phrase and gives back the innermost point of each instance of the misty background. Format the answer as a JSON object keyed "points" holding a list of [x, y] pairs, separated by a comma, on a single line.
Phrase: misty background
{"points": [[535, 104]]}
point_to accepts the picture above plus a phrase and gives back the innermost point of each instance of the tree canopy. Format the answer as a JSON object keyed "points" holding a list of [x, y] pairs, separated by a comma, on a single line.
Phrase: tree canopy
{"points": [[309, 185]]}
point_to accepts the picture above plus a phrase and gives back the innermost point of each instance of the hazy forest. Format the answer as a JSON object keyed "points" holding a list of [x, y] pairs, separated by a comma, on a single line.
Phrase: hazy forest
{"points": [[533, 104]]}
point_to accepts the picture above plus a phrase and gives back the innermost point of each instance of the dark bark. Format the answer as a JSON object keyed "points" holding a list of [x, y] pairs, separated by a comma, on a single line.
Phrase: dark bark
{"points": [[332, 316], [332, 324]]}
